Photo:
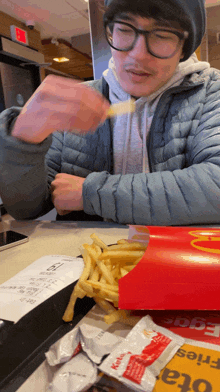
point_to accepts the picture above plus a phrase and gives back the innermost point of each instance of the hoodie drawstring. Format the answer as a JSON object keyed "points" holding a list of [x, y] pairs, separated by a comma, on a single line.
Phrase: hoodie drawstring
{"points": [[126, 143]]}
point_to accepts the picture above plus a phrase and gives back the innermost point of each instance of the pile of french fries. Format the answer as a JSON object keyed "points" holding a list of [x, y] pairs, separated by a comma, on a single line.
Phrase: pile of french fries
{"points": [[104, 266]]}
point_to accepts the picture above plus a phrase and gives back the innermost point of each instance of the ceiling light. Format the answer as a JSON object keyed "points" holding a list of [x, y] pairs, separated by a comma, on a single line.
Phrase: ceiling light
{"points": [[61, 59]]}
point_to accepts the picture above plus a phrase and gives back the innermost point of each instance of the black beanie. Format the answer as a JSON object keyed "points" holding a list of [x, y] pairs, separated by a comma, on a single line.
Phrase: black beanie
{"points": [[195, 11]]}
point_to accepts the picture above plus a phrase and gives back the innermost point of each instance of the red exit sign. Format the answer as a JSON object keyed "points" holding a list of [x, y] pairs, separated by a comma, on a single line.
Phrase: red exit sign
{"points": [[19, 35]]}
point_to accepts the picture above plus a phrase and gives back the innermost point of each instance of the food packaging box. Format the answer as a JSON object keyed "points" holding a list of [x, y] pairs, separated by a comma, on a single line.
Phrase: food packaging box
{"points": [[179, 270], [195, 367], [200, 325]]}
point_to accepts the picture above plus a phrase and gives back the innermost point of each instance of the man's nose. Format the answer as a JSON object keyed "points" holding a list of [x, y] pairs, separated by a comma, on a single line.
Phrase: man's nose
{"points": [[140, 48]]}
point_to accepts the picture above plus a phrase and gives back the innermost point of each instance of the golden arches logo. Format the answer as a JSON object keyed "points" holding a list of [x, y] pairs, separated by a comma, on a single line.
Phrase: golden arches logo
{"points": [[206, 236]]}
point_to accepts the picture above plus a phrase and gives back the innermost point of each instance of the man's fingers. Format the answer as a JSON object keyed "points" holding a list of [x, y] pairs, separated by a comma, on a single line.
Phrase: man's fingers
{"points": [[63, 212], [72, 93], [60, 104], [66, 193]]}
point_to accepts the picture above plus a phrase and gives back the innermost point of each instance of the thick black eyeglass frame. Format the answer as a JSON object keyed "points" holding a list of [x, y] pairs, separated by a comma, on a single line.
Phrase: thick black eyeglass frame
{"points": [[182, 36]]}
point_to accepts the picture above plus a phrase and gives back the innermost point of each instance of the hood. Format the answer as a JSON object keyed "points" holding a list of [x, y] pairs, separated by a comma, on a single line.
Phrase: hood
{"points": [[185, 68]]}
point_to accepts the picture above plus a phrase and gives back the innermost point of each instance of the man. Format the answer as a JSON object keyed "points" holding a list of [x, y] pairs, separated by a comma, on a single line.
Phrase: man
{"points": [[157, 166]]}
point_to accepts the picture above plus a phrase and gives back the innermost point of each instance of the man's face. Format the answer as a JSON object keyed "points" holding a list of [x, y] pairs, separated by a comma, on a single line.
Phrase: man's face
{"points": [[139, 73]]}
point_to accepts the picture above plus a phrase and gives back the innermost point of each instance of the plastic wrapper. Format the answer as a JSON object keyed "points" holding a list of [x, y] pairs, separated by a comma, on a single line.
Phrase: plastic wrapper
{"points": [[76, 375], [81, 349], [108, 384], [65, 348], [97, 343], [92, 340], [140, 357]]}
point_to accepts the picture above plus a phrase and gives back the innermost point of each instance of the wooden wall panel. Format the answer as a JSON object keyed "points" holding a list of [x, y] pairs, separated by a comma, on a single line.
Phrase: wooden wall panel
{"points": [[202, 51], [213, 26], [34, 37], [80, 64], [198, 53]]}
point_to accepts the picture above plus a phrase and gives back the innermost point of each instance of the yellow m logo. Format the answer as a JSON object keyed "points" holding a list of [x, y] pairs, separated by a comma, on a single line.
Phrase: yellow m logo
{"points": [[206, 236]]}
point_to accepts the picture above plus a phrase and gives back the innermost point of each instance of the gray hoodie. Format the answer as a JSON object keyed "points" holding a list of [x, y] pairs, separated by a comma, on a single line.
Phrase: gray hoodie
{"points": [[130, 131]]}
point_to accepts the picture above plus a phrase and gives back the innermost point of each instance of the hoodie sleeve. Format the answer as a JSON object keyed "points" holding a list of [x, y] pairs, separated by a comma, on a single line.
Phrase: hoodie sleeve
{"points": [[186, 196]]}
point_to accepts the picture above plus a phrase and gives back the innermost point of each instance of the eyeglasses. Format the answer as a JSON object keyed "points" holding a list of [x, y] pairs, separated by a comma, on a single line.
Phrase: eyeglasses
{"points": [[160, 43]]}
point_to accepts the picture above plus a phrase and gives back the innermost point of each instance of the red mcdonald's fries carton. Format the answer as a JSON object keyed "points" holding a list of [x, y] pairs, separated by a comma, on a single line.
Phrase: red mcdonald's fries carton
{"points": [[179, 270]]}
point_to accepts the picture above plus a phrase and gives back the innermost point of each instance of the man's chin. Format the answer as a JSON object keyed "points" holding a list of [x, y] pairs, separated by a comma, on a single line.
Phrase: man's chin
{"points": [[136, 90]]}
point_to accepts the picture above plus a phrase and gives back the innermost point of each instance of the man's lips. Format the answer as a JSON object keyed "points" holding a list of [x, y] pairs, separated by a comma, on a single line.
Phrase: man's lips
{"points": [[138, 71], [137, 75]]}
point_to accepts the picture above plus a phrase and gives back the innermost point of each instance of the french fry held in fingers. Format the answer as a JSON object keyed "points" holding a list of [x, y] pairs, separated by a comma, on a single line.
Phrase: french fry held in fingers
{"points": [[104, 265], [118, 109]]}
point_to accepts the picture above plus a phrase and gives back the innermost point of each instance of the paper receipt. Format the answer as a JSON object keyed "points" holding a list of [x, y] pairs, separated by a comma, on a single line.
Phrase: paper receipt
{"points": [[36, 283]]}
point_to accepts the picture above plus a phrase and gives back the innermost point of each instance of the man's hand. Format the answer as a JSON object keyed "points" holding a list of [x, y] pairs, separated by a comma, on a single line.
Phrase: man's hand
{"points": [[60, 104], [67, 193]]}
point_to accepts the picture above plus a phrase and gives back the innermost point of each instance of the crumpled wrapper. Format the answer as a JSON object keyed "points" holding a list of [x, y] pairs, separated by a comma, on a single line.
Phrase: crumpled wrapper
{"points": [[80, 351]]}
